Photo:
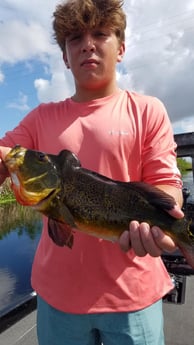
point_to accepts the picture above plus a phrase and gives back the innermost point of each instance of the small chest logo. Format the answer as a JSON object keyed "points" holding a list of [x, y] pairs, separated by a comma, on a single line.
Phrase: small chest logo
{"points": [[118, 133]]}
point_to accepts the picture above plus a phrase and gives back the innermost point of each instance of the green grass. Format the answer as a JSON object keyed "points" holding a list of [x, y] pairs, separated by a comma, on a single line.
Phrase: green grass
{"points": [[6, 200], [6, 193], [184, 165]]}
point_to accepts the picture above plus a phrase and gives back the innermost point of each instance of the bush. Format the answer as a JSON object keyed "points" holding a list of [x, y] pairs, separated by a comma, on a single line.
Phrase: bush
{"points": [[183, 165], [6, 192]]}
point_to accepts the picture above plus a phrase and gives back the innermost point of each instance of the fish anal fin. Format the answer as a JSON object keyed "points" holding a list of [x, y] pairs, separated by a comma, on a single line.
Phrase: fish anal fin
{"points": [[60, 233]]}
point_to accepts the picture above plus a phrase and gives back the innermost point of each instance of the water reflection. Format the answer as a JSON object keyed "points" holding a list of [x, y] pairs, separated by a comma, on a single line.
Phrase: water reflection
{"points": [[17, 218], [188, 177], [7, 286], [188, 182], [20, 229]]}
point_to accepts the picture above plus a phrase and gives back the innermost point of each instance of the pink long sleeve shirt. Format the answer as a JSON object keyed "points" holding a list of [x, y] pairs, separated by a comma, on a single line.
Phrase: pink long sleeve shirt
{"points": [[125, 136]]}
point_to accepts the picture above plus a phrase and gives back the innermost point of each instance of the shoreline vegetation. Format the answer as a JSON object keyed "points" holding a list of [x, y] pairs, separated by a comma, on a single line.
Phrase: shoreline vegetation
{"points": [[184, 165], [7, 195]]}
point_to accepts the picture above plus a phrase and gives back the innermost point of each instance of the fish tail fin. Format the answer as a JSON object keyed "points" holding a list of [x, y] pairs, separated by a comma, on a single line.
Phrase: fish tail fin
{"points": [[188, 253], [186, 244]]}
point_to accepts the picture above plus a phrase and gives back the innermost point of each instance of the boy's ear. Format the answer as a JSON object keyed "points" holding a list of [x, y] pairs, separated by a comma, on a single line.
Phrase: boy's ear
{"points": [[65, 60], [121, 52]]}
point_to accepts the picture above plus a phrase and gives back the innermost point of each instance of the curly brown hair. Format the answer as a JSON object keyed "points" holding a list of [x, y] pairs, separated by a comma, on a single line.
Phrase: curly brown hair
{"points": [[80, 15]]}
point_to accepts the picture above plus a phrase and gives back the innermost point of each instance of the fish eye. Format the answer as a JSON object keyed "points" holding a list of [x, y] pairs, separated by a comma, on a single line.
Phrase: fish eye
{"points": [[42, 157]]}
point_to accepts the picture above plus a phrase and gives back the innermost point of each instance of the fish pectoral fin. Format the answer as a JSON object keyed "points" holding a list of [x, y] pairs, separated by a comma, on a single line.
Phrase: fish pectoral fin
{"points": [[60, 233], [63, 215]]}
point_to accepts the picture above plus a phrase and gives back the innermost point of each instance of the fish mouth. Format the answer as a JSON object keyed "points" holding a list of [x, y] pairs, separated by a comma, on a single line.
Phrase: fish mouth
{"points": [[28, 197], [14, 158], [42, 204]]}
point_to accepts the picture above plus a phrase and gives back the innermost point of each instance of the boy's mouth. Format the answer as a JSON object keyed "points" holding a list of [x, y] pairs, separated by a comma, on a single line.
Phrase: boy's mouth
{"points": [[89, 62]]}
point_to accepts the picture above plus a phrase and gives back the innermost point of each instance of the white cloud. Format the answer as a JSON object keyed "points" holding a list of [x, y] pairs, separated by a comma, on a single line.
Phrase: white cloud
{"points": [[160, 53], [59, 85], [159, 57], [40, 11], [184, 125], [21, 103], [1, 77], [54, 89], [21, 41]]}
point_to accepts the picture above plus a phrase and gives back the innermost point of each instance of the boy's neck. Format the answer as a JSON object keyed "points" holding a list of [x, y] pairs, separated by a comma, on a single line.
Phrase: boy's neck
{"points": [[86, 95]]}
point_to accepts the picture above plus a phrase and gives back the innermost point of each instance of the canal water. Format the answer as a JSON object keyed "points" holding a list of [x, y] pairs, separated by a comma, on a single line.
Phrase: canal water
{"points": [[188, 180], [20, 229]]}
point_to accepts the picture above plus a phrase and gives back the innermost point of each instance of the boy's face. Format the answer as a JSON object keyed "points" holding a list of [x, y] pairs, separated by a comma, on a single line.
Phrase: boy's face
{"points": [[92, 57]]}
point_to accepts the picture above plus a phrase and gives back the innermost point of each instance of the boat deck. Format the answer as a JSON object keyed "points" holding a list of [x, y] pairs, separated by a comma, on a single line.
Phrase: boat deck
{"points": [[179, 319], [19, 326], [23, 332]]}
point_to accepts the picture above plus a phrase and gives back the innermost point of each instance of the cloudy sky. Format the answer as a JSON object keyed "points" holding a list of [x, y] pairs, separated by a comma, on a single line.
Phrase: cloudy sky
{"points": [[159, 58]]}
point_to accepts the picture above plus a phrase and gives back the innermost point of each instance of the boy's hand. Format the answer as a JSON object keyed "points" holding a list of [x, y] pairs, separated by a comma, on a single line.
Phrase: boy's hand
{"points": [[3, 170], [145, 240]]}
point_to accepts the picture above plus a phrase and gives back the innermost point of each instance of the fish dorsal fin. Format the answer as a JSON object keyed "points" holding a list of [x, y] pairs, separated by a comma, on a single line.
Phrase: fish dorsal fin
{"points": [[68, 159], [154, 195], [98, 177]]}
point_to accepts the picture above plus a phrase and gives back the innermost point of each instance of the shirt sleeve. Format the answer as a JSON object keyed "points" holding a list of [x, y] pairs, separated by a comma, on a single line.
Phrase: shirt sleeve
{"points": [[159, 165], [24, 133]]}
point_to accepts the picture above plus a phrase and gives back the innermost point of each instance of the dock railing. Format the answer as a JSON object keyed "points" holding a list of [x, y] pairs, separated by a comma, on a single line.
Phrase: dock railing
{"points": [[175, 263], [185, 146]]}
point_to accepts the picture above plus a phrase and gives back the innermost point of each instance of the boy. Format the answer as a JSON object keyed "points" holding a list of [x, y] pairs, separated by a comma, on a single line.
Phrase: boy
{"points": [[96, 292]]}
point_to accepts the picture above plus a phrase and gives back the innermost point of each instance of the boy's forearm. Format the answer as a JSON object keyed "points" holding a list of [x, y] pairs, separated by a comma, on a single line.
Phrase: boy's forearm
{"points": [[176, 193]]}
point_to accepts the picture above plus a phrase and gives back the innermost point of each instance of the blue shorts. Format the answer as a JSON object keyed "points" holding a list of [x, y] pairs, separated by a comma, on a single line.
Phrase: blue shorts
{"points": [[144, 327]]}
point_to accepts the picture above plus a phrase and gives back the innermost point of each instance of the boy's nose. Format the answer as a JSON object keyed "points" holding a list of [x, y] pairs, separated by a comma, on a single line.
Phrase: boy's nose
{"points": [[88, 43]]}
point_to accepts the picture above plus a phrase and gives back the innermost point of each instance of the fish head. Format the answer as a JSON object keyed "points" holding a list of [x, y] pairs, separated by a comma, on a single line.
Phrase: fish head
{"points": [[34, 176]]}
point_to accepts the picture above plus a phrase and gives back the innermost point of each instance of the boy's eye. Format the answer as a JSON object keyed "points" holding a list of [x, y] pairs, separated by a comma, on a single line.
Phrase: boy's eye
{"points": [[100, 33], [79, 36], [75, 37]]}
